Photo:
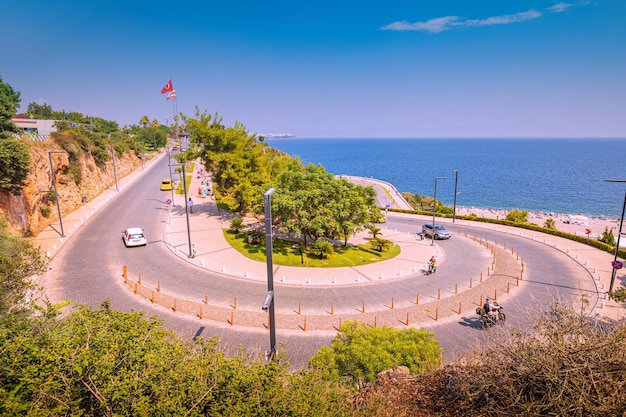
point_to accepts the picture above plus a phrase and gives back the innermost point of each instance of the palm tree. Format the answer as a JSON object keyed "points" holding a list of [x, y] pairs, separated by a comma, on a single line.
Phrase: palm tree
{"points": [[374, 230], [549, 224], [144, 121]]}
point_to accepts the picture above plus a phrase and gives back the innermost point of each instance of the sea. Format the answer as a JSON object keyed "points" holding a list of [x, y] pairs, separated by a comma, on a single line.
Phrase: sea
{"points": [[560, 176]]}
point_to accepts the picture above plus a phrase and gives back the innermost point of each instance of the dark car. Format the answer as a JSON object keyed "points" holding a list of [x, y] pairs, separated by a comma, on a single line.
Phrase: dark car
{"points": [[436, 232]]}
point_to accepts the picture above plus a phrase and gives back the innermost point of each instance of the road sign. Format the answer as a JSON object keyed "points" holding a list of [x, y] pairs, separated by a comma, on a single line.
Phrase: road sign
{"points": [[617, 264], [587, 231]]}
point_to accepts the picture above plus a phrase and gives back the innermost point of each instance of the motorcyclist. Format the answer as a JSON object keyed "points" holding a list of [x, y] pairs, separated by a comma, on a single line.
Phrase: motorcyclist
{"points": [[432, 264], [492, 307]]}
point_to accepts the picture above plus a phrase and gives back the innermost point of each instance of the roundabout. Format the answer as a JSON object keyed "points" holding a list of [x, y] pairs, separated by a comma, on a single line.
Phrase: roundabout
{"points": [[219, 293]]}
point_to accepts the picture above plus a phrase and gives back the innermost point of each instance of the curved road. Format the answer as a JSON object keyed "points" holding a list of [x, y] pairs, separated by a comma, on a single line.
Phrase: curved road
{"points": [[89, 267]]}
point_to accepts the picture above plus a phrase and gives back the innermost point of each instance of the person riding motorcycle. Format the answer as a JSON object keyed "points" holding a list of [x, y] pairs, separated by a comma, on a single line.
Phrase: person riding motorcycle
{"points": [[492, 307], [432, 265]]}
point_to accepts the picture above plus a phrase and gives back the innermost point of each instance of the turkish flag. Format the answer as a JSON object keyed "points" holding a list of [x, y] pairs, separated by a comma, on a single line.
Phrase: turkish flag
{"points": [[172, 94], [167, 88]]}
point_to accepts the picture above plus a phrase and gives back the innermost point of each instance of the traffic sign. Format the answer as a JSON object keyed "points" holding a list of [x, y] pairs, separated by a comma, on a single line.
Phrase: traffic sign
{"points": [[617, 264], [587, 231]]}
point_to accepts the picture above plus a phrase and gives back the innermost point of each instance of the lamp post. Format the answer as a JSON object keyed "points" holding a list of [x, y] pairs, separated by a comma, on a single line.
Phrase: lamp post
{"points": [[56, 194], [456, 185], [619, 234], [432, 241], [169, 159], [191, 250], [268, 304]]}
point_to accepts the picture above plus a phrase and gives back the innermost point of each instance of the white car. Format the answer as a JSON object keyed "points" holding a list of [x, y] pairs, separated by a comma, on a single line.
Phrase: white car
{"points": [[134, 236]]}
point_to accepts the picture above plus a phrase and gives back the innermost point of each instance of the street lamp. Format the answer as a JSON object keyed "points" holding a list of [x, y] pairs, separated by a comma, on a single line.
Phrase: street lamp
{"points": [[268, 304], [191, 250], [614, 272], [56, 194], [432, 241], [456, 184]]}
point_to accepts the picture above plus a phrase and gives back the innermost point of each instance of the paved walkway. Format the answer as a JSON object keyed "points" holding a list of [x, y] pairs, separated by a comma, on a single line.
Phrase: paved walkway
{"points": [[213, 253]]}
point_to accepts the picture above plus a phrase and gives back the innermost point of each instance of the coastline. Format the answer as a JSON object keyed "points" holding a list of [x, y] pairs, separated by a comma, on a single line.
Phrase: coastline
{"points": [[595, 224]]}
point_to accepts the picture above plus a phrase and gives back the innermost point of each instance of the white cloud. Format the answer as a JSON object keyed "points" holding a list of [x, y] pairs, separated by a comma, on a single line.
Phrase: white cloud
{"points": [[504, 19], [441, 24], [433, 25]]}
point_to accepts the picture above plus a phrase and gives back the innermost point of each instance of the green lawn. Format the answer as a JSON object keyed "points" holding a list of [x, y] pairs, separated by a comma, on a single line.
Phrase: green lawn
{"points": [[287, 253]]}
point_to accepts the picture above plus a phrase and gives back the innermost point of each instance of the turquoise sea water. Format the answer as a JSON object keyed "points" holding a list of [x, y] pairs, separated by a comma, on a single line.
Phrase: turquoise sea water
{"points": [[549, 175]]}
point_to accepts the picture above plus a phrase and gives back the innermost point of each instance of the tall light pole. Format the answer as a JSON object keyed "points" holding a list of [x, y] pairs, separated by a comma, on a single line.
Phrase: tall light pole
{"points": [[268, 304], [456, 184], [619, 234], [432, 240], [191, 250], [56, 194]]}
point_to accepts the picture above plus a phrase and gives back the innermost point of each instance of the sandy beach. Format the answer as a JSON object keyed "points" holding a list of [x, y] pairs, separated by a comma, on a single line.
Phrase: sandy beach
{"points": [[595, 225]]}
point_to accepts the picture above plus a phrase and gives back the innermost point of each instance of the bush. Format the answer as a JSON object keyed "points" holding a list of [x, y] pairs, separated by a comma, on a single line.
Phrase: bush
{"points": [[15, 157], [380, 245], [359, 352], [236, 225], [568, 364], [45, 211], [322, 249], [256, 237]]}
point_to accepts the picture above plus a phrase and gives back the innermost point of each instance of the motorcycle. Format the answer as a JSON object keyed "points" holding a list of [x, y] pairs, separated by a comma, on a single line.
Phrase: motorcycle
{"points": [[491, 314]]}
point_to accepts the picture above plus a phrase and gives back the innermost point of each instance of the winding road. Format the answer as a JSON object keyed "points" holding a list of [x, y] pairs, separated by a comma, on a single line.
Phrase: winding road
{"points": [[88, 270]]}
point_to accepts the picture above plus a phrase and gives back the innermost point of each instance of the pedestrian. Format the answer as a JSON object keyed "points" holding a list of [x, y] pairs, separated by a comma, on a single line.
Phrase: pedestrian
{"points": [[190, 205]]}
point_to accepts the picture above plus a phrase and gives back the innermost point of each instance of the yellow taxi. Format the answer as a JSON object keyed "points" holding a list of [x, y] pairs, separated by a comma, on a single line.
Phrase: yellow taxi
{"points": [[166, 184]]}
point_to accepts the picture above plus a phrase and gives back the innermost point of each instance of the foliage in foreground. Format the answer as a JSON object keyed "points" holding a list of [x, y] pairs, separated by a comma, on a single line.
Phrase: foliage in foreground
{"points": [[105, 362], [19, 260], [359, 352], [568, 364]]}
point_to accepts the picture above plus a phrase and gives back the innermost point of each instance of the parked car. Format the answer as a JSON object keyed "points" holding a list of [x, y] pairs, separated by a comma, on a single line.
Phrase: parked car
{"points": [[134, 236], [438, 232], [166, 184]]}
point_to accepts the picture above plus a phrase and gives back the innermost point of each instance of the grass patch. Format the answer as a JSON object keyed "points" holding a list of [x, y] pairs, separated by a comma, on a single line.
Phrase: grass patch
{"points": [[287, 253]]}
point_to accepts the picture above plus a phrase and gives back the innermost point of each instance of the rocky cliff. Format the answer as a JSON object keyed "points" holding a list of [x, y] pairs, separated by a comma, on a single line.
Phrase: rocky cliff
{"points": [[36, 208]]}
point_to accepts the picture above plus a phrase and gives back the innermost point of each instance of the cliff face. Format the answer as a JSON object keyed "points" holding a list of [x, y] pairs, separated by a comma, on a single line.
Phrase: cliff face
{"points": [[36, 208]]}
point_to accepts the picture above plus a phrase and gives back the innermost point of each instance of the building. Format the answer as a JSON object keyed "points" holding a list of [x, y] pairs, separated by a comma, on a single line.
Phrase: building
{"points": [[34, 128]]}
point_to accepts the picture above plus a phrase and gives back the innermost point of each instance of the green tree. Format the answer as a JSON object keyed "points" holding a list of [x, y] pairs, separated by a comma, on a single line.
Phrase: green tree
{"points": [[15, 166], [144, 121], [311, 203], [359, 352], [9, 103], [19, 261], [607, 236], [374, 230], [517, 216], [549, 224]]}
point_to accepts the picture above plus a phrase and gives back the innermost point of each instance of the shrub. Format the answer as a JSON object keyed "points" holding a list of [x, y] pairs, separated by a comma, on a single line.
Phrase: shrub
{"points": [[567, 364], [359, 352], [15, 157], [256, 237], [322, 249], [236, 225], [381, 245], [517, 216], [45, 211]]}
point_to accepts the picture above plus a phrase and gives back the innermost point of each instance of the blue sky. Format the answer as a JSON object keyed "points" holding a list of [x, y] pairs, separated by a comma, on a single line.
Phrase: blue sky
{"points": [[445, 68]]}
